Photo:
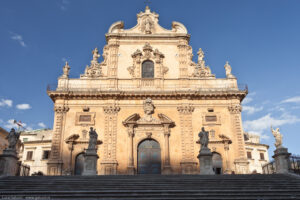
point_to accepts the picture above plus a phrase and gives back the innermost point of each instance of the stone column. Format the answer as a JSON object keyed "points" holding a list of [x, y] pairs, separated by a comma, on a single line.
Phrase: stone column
{"points": [[188, 163], [282, 160], [109, 163], [167, 168], [226, 149], [241, 162], [55, 162], [130, 167], [9, 163]]}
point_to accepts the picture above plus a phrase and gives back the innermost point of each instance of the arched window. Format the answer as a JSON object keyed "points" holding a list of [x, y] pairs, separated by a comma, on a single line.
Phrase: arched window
{"points": [[148, 69]]}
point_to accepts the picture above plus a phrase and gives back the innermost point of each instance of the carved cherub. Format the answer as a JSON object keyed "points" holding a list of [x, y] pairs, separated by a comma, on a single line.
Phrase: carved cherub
{"points": [[278, 137]]}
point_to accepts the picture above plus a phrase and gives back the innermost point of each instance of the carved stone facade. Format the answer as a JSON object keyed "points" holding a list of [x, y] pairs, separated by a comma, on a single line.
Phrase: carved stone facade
{"points": [[109, 162], [168, 108]]}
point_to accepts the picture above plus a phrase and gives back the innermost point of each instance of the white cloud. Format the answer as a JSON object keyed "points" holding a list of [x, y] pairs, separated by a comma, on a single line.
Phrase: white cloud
{"points": [[295, 99], [23, 106], [18, 38], [42, 125], [64, 5], [247, 100], [251, 109], [6, 102], [263, 124]]}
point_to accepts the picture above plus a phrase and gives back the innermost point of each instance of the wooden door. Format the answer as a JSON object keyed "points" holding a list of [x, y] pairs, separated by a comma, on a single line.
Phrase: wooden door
{"points": [[149, 159]]}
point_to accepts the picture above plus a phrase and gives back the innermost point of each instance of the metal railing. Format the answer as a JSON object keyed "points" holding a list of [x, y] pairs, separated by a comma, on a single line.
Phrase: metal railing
{"points": [[23, 170], [295, 164], [269, 168]]}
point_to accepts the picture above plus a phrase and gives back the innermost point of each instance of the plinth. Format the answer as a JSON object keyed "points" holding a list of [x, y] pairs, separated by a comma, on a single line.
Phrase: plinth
{"points": [[90, 162], [9, 163], [282, 160], [205, 160]]}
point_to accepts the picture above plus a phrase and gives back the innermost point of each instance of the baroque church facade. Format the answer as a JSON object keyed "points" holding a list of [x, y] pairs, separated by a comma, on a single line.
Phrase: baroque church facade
{"points": [[147, 100]]}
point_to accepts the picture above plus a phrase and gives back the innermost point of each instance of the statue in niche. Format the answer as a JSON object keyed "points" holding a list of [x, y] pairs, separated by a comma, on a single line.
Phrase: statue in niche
{"points": [[13, 138], [228, 70], [278, 137], [148, 24], [93, 138], [203, 135]]}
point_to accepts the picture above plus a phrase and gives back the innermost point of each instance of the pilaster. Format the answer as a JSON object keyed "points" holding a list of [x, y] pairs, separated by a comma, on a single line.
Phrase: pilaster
{"points": [[241, 162], [55, 162], [188, 163], [109, 162]]}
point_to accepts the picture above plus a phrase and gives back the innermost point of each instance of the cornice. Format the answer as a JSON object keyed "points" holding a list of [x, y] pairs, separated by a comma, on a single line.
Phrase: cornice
{"points": [[176, 95]]}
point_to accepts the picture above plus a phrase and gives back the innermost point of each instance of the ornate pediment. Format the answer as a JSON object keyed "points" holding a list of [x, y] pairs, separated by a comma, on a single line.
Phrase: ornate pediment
{"points": [[147, 54], [147, 24], [148, 119]]}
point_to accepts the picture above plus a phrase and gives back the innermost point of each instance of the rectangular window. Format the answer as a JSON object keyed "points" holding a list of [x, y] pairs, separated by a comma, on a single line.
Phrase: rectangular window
{"points": [[29, 155], [249, 155], [85, 118], [212, 118], [262, 156], [46, 155]]}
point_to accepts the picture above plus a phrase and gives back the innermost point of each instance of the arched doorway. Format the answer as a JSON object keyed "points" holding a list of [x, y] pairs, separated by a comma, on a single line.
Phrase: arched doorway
{"points": [[217, 163], [79, 162], [149, 159]]}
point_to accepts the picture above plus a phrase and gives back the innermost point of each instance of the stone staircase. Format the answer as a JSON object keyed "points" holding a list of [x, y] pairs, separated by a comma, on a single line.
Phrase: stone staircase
{"points": [[261, 187]]}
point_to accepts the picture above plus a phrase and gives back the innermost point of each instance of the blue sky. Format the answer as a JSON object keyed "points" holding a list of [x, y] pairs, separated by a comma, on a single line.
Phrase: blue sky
{"points": [[259, 38]]}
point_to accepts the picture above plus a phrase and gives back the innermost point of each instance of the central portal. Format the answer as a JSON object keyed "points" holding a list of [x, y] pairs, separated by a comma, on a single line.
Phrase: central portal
{"points": [[149, 160]]}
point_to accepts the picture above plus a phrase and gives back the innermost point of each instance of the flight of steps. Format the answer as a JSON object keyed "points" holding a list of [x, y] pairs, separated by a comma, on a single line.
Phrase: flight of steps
{"points": [[151, 187]]}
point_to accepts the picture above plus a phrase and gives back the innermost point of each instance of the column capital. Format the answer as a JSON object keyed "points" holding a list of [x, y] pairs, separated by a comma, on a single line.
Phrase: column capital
{"points": [[112, 109], [185, 109], [61, 108], [235, 109]]}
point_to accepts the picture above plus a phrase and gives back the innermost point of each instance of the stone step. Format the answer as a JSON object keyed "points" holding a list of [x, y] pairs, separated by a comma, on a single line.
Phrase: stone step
{"points": [[152, 187]]}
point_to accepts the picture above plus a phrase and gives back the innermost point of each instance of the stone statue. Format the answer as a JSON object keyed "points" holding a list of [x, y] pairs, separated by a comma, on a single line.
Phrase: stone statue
{"points": [[148, 106], [13, 138], [66, 70], [96, 55], [200, 55], [93, 138], [148, 25], [278, 137], [203, 135], [228, 70]]}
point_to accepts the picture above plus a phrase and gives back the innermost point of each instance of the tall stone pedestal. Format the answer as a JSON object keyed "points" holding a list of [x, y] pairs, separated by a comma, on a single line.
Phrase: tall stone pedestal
{"points": [[90, 162], [282, 161], [205, 160], [9, 163]]}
